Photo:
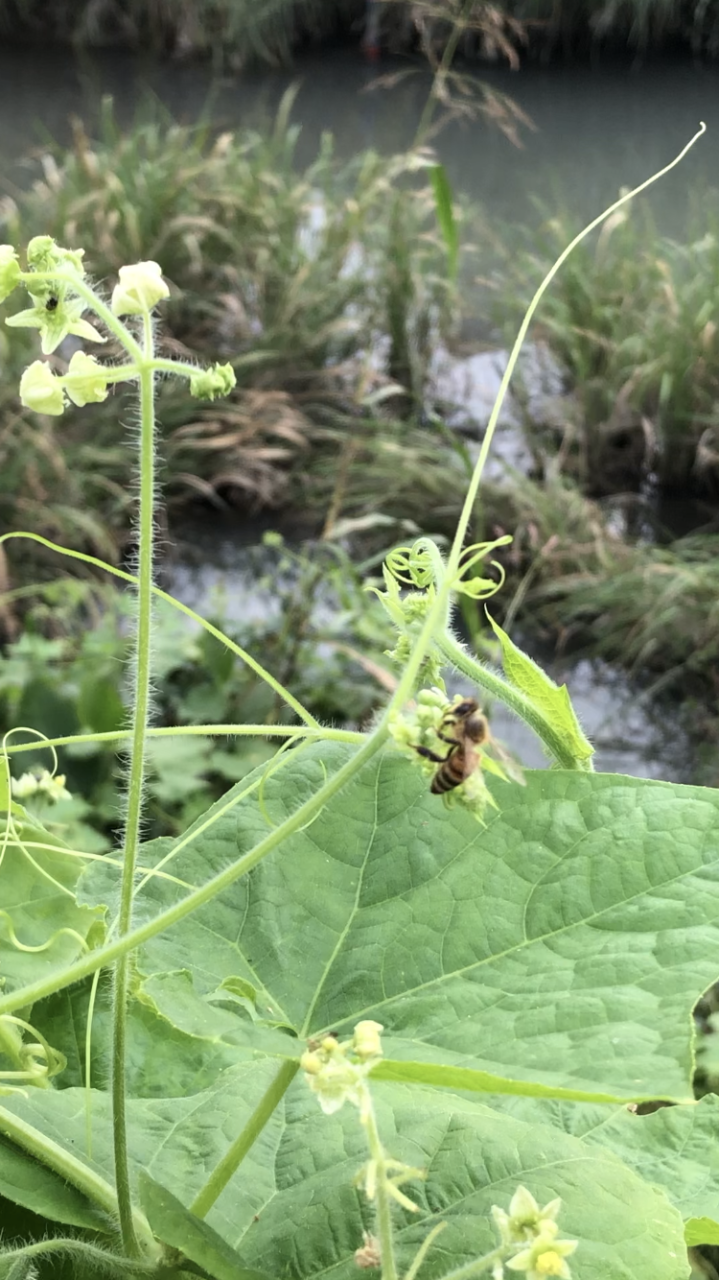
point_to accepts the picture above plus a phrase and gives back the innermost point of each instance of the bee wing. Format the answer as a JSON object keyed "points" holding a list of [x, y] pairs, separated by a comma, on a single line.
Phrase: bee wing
{"points": [[505, 764]]}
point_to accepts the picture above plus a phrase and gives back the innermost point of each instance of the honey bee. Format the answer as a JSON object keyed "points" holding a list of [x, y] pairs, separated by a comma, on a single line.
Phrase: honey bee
{"points": [[465, 728]]}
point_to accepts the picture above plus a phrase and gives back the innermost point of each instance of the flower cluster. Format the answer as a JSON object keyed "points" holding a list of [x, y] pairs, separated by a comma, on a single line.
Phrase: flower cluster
{"points": [[336, 1072], [541, 1253], [40, 783], [55, 281]]}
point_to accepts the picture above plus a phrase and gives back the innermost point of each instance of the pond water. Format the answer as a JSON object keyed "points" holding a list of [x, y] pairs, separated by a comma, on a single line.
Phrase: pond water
{"points": [[596, 129]]}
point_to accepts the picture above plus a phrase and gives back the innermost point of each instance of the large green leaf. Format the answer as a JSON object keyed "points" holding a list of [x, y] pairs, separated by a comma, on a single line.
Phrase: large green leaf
{"points": [[675, 1148], [28, 1183], [564, 943], [292, 1210]]}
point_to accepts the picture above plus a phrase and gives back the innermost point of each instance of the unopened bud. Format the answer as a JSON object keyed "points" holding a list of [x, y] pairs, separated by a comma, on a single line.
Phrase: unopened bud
{"points": [[141, 287]]}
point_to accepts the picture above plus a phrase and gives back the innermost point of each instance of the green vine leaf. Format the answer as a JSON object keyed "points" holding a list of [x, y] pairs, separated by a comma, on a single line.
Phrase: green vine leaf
{"points": [[565, 944], [26, 1182], [292, 1207], [701, 1231], [550, 699], [674, 1148]]}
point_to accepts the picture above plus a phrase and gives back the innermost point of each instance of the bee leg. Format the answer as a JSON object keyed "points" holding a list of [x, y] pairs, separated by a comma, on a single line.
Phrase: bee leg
{"points": [[432, 755]]}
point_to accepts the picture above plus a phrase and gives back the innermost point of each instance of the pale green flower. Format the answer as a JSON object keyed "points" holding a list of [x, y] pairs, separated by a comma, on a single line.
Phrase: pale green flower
{"points": [[141, 287], [41, 390], [9, 270], [336, 1072], [85, 380], [30, 784], [208, 384], [545, 1257], [525, 1219], [333, 1079], [56, 322]]}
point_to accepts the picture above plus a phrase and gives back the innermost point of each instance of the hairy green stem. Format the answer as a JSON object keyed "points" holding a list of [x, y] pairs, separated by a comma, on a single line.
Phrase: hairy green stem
{"points": [[193, 730], [107, 954], [497, 687], [86, 1255], [241, 653], [135, 787], [233, 1157]]}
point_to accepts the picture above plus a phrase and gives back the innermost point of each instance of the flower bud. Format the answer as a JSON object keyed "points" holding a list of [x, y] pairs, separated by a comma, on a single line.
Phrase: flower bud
{"points": [[366, 1042], [44, 255], [141, 287], [41, 390], [85, 380], [9, 270], [208, 384]]}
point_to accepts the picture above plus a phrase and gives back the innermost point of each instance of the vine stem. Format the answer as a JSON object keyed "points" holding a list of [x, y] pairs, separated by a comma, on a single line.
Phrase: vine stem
{"points": [[136, 781], [438, 610], [385, 1233], [325, 734], [233, 1157], [471, 497]]}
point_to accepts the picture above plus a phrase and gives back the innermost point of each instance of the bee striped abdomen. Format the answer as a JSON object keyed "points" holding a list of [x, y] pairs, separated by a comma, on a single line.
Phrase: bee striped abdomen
{"points": [[451, 774]]}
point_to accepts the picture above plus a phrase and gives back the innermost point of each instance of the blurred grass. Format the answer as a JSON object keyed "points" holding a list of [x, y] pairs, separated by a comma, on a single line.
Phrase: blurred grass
{"points": [[630, 321], [237, 32]]}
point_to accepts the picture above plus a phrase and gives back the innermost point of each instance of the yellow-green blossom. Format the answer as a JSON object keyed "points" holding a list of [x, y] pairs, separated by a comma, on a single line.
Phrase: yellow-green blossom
{"points": [[56, 323], [9, 270], [525, 1219], [41, 390], [85, 380], [336, 1072], [30, 784], [141, 287], [208, 384], [545, 1257], [333, 1079]]}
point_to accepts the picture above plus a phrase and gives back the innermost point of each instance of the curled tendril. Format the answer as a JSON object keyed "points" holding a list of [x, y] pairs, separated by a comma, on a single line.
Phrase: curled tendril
{"points": [[38, 1061], [412, 566], [6, 918], [468, 584], [418, 566]]}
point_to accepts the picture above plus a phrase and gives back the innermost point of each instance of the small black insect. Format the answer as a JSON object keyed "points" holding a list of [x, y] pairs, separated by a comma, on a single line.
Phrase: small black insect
{"points": [[51, 304]]}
